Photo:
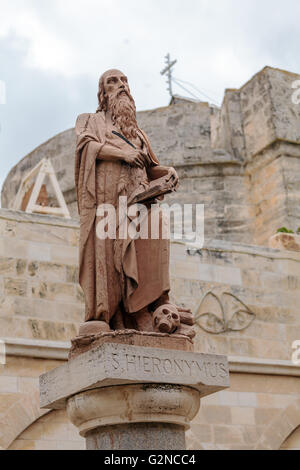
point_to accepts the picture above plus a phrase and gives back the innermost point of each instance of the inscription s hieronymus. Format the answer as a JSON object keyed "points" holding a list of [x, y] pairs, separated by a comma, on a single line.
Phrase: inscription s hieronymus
{"points": [[171, 366]]}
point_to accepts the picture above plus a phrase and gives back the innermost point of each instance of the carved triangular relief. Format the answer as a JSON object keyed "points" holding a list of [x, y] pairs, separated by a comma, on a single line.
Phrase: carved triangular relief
{"points": [[32, 196], [222, 312]]}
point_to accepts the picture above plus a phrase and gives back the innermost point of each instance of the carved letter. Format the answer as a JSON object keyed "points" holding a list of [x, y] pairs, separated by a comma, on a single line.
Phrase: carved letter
{"points": [[131, 361], [156, 364], [167, 361], [222, 368], [115, 358], [179, 367], [146, 363]]}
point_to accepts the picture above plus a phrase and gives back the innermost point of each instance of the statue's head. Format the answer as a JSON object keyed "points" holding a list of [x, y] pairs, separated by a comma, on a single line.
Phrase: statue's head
{"points": [[111, 85], [114, 96]]}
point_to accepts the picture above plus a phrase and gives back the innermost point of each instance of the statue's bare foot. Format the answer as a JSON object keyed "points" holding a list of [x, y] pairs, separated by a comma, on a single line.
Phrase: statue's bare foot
{"points": [[93, 328], [166, 319]]}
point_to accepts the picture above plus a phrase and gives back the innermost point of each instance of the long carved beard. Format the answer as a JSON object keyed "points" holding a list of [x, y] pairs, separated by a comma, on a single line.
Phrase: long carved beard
{"points": [[123, 113]]}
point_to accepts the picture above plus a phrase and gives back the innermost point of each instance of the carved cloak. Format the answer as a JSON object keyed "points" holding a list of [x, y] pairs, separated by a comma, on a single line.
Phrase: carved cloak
{"points": [[110, 271]]}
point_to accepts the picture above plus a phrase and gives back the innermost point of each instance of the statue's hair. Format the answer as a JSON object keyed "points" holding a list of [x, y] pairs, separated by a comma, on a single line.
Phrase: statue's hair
{"points": [[123, 110], [102, 99]]}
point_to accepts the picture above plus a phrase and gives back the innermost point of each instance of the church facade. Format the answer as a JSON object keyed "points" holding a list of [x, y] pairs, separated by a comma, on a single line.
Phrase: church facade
{"points": [[242, 162]]}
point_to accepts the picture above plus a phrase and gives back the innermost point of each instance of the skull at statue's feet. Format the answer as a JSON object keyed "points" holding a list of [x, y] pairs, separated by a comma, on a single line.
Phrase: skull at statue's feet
{"points": [[166, 319]]}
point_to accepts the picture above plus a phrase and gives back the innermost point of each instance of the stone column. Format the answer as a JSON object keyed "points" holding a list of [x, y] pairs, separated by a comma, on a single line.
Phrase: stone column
{"points": [[124, 397], [143, 416]]}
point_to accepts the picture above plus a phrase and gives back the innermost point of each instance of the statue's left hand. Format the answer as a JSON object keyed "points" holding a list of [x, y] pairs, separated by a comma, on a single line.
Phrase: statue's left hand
{"points": [[172, 175]]}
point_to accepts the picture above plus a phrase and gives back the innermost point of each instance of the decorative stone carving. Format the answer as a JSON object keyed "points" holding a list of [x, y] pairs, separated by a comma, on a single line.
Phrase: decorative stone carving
{"points": [[33, 197], [125, 280], [82, 344], [219, 313], [110, 365], [131, 367], [166, 319]]}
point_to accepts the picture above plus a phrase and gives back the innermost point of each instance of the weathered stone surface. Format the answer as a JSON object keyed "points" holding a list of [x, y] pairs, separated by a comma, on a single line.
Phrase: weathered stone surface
{"points": [[89, 341], [39, 295], [268, 111], [52, 431], [285, 241], [262, 309], [227, 126], [137, 436], [15, 287], [116, 364], [134, 403]]}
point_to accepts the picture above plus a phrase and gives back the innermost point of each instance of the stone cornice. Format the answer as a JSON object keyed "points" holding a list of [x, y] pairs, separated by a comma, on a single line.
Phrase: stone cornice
{"points": [[228, 247], [35, 348], [20, 216], [274, 150], [249, 365], [59, 350]]}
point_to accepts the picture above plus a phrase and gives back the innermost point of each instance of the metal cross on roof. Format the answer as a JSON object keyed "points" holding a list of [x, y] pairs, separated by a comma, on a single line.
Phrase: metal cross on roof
{"points": [[168, 70]]}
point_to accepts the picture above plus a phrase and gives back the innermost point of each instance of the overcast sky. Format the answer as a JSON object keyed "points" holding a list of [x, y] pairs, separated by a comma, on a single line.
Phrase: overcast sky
{"points": [[53, 51]]}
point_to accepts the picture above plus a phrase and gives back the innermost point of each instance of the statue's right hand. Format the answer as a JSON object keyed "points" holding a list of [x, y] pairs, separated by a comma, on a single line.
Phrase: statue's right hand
{"points": [[134, 158]]}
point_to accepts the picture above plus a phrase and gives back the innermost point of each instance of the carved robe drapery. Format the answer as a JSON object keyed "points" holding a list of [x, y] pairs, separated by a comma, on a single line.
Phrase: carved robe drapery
{"points": [[133, 273]]}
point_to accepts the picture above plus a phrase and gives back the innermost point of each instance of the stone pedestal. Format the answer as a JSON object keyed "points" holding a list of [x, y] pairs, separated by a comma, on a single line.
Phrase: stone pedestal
{"points": [[126, 397]]}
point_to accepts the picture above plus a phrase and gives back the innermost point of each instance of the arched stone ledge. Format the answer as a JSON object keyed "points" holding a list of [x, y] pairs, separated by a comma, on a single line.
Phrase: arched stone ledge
{"points": [[19, 416], [280, 428]]}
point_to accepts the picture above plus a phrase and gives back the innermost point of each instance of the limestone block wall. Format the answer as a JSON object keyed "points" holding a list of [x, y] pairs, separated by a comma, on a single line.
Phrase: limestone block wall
{"points": [[275, 191], [227, 129], [256, 327], [181, 137], [52, 431], [268, 111], [227, 216], [259, 124], [245, 299], [272, 135], [180, 133], [23, 425], [39, 294], [262, 282], [260, 113]]}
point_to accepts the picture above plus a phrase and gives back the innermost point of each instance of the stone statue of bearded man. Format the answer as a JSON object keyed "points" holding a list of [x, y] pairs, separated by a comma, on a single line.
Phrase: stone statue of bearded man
{"points": [[125, 281]]}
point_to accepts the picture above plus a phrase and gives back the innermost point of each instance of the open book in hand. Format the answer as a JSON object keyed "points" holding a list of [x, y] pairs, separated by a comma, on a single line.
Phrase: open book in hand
{"points": [[156, 188]]}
